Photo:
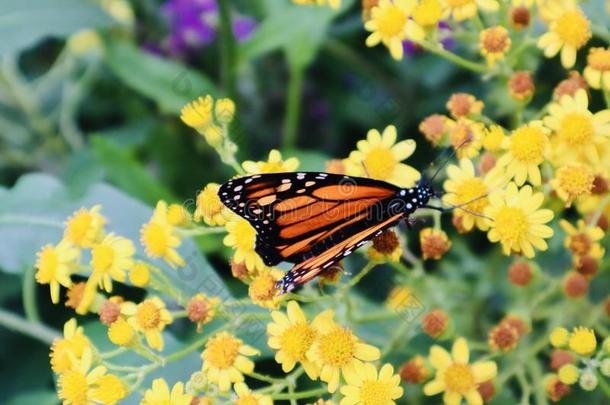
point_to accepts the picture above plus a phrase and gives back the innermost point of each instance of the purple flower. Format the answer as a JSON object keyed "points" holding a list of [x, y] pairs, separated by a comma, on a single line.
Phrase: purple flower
{"points": [[243, 27], [447, 40]]}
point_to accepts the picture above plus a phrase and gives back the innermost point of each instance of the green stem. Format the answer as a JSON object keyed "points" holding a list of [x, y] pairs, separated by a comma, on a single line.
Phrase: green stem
{"points": [[265, 378], [536, 372], [27, 220], [293, 106], [607, 97], [35, 330], [602, 205], [30, 306], [458, 60], [227, 49], [356, 279], [603, 383], [301, 395]]}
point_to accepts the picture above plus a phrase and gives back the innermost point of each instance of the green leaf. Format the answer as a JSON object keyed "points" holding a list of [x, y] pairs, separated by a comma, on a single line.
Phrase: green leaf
{"points": [[24, 23], [35, 397], [170, 84]]}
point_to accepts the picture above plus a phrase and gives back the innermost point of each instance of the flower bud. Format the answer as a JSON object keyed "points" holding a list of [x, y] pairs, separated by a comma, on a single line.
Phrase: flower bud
{"points": [[109, 312], [521, 85], [433, 127], [560, 358], [520, 273], [214, 136], [604, 367], [588, 380], [487, 390], [568, 374], [435, 323], [575, 285], [434, 243], [520, 17], [559, 337], [414, 371], [224, 110], [555, 389]]}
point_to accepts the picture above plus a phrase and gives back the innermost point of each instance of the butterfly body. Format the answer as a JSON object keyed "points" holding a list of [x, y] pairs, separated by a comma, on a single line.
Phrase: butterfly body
{"points": [[315, 219]]}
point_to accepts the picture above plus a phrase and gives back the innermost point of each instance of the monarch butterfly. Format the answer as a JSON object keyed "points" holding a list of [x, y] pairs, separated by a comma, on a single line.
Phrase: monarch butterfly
{"points": [[315, 219]]}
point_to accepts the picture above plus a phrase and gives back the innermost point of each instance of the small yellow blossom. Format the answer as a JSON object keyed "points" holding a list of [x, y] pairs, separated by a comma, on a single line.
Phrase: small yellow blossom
{"points": [[582, 341], [390, 24], [400, 297], [85, 227], [568, 374], [366, 386], [140, 274], [201, 309], [109, 390], [262, 289], [242, 237], [379, 157], [110, 259], [225, 361], [494, 138], [526, 150], [224, 109], [246, 397], [159, 237], [209, 207], [76, 385], [494, 43], [55, 264], [65, 351], [159, 394], [597, 72], [177, 215], [337, 350], [461, 10], [518, 222], [274, 164], [583, 240], [572, 181], [463, 105], [428, 13], [455, 376], [149, 317], [569, 30], [214, 136], [291, 335], [559, 337], [121, 333], [466, 137], [198, 113]]}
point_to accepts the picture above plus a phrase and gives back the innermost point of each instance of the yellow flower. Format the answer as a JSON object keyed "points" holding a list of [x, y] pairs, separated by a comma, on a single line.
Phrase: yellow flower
{"points": [[463, 185], [246, 397], [582, 341], [401, 297], [379, 157], [577, 132], [262, 289], [214, 136], [427, 13], [494, 138], [66, 350], [198, 113], [210, 208], [55, 264], [559, 337], [569, 30], [455, 376], [76, 385], [85, 227], [337, 350], [242, 237], [367, 387], [518, 223], [572, 181], [110, 259], [177, 215], [224, 110], [159, 394], [597, 72], [568, 374], [291, 335], [139, 274], [386, 248], [109, 390], [466, 137], [390, 24], [159, 237], [274, 164], [201, 309], [149, 317], [225, 361], [584, 239], [464, 105], [461, 10], [526, 149], [494, 43], [121, 333]]}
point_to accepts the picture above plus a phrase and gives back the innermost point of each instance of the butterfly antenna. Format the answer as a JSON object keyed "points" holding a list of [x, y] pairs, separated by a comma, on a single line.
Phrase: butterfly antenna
{"points": [[366, 172], [461, 207], [448, 158]]}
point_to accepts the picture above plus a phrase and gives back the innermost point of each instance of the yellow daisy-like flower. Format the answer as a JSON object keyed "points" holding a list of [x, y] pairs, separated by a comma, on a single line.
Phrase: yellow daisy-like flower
{"points": [[140, 274], [463, 185], [559, 337], [466, 136], [66, 350], [121, 333], [209, 207], [246, 397], [177, 215], [159, 394], [291, 335], [526, 150], [242, 237], [262, 289], [149, 317], [427, 13], [390, 24], [583, 240], [518, 222], [494, 138], [597, 72], [109, 390], [198, 113], [337, 350], [569, 30], [110, 259], [55, 264], [274, 164], [582, 341], [85, 227], [159, 237], [572, 181], [225, 361], [75, 386], [379, 157], [461, 10], [578, 133], [455, 376], [494, 43], [368, 387]]}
